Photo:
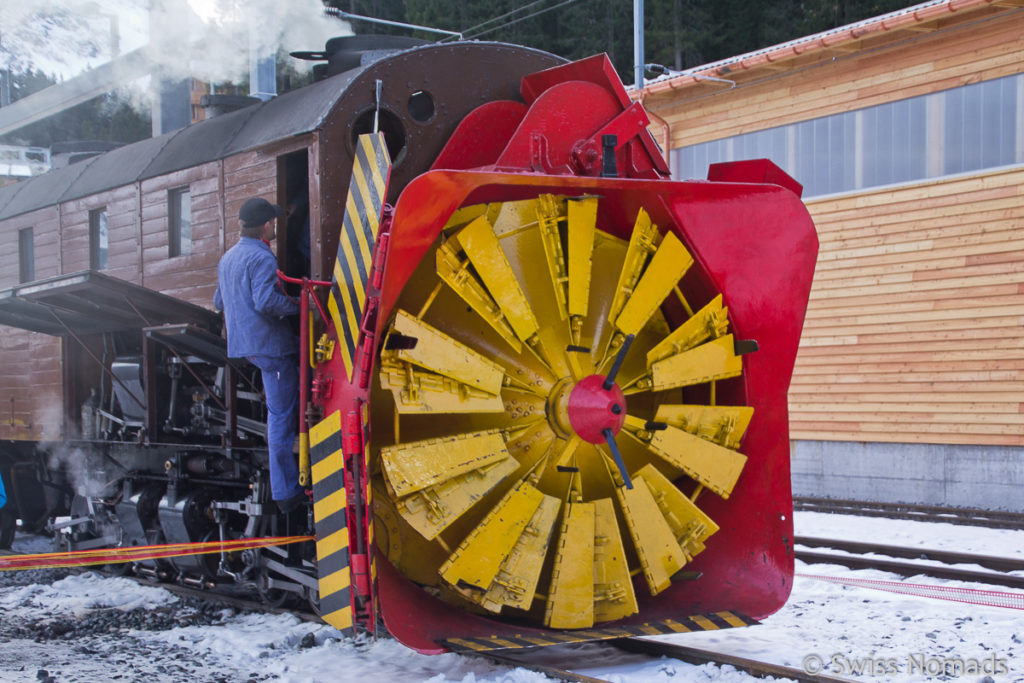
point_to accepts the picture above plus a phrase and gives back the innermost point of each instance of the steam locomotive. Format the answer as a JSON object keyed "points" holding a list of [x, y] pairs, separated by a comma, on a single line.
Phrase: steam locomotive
{"points": [[543, 391]]}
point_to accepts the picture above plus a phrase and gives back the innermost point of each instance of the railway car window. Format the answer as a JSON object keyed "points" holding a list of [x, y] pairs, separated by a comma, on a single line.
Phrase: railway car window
{"points": [[98, 240], [26, 256], [179, 221]]}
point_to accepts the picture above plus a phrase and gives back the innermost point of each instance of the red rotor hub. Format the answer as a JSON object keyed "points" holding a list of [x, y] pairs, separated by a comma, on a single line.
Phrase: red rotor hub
{"points": [[593, 409]]}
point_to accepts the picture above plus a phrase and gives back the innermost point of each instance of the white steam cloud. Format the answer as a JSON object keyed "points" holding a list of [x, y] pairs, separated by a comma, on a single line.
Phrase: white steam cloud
{"points": [[87, 477], [205, 39]]}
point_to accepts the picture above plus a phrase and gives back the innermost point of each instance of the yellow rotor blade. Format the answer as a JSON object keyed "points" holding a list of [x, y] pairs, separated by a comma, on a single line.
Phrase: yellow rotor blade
{"points": [[432, 510], [549, 214], [452, 269], [410, 467], [516, 583], [468, 214], [716, 467], [642, 242], [724, 425], [710, 322], [690, 525], [478, 559], [484, 252], [654, 540], [417, 391], [613, 587], [582, 229], [670, 263], [571, 597], [713, 360], [436, 351]]}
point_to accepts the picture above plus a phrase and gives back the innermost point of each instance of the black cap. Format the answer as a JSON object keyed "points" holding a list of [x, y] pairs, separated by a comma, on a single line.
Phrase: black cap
{"points": [[257, 211]]}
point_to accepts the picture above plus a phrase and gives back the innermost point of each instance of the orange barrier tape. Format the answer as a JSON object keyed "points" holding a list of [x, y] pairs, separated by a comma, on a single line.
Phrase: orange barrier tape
{"points": [[85, 558]]}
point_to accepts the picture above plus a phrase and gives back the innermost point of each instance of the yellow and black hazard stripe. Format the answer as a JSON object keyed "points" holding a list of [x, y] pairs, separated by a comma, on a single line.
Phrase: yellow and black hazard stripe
{"points": [[699, 622], [366, 193], [371, 540], [330, 511]]}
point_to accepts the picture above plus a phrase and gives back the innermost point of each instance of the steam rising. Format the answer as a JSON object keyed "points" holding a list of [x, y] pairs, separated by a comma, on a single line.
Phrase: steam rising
{"points": [[204, 39], [85, 475]]}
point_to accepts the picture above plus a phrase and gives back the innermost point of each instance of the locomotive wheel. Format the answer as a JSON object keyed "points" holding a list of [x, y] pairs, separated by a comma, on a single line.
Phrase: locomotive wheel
{"points": [[543, 406], [271, 597]]}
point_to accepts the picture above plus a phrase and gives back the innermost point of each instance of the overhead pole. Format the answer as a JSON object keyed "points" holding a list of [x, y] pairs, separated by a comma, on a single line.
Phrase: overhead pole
{"points": [[638, 44]]}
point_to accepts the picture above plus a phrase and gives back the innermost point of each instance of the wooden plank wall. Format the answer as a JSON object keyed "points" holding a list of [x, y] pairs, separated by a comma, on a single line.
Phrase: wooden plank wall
{"points": [[914, 331], [137, 220], [30, 359], [121, 205], [191, 276]]}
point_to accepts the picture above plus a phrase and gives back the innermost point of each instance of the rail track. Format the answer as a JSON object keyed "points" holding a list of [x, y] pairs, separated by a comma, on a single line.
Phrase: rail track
{"points": [[235, 601], [863, 557], [529, 660], [994, 519], [216, 594]]}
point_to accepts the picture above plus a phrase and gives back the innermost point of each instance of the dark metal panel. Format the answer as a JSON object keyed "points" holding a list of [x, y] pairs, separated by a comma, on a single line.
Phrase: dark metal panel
{"points": [[46, 189], [191, 340], [8, 192], [199, 143], [118, 167], [89, 302], [294, 113]]}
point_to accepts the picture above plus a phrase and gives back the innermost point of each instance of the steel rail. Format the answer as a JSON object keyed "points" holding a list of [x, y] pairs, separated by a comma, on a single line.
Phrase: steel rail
{"points": [[995, 519], [999, 564], [550, 671], [906, 569], [655, 648], [213, 595], [693, 655]]}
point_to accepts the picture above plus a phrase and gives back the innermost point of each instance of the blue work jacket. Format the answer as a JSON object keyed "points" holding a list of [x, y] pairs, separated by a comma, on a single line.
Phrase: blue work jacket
{"points": [[254, 305]]}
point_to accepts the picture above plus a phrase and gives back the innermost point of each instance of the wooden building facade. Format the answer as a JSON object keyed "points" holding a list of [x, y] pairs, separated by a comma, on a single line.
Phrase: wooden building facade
{"points": [[907, 132]]}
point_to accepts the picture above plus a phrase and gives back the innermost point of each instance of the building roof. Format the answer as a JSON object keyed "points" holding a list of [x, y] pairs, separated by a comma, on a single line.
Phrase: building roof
{"points": [[294, 113], [914, 17]]}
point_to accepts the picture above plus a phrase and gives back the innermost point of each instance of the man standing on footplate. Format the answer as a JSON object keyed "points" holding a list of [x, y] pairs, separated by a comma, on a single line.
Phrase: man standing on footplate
{"points": [[256, 309]]}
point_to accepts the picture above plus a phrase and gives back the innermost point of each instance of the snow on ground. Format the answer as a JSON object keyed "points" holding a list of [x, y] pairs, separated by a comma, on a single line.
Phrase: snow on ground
{"points": [[87, 627]]}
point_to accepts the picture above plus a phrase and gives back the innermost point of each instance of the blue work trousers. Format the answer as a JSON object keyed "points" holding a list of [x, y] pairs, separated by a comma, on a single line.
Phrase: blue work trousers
{"points": [[281, 385]]}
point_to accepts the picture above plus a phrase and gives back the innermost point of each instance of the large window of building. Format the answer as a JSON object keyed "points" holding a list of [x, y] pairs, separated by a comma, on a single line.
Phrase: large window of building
{"points": [[179, 222], [98, 240], [964, 129], [26, 256]]}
